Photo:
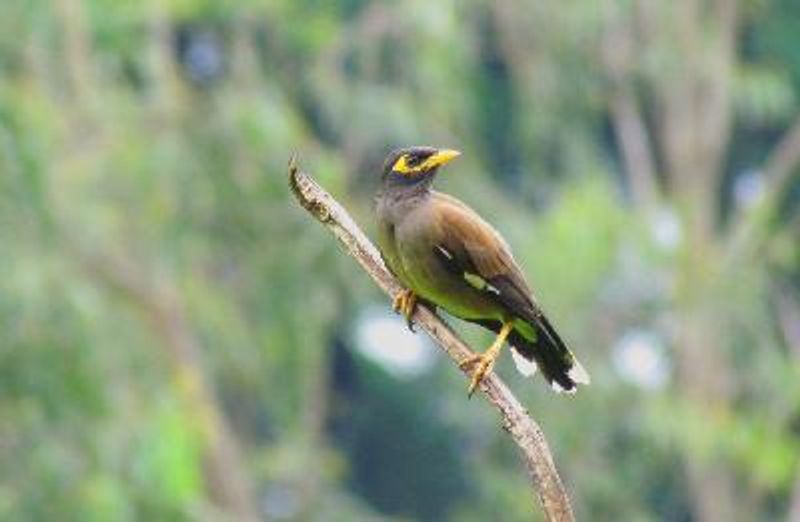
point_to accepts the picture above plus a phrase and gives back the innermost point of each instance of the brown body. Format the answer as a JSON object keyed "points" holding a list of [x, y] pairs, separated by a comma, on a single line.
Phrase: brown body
{"points": [[441, 220], [446, 254]]}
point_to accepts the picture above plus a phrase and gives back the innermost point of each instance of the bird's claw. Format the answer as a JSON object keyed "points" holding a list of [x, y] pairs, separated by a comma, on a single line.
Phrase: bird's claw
{"points": [[485, 362], [469, 360], [406, 303]]}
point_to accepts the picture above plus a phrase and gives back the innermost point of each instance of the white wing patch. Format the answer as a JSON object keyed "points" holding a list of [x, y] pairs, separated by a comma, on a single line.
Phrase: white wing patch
{"points": [[479, 283], [474, 280], [444, 252], [524, 366]]}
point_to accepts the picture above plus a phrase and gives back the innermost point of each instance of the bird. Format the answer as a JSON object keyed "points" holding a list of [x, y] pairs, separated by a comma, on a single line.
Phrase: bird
{"points": [[449, 257]]}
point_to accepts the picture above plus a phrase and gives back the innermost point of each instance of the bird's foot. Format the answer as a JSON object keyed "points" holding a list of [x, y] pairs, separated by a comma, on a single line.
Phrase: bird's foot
{"points": [[406, 303], [485, 361], [485, 364]]}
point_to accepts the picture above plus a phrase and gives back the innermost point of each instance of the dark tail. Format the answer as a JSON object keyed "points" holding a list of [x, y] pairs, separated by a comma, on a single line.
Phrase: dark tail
{"points": [[557, 363]]}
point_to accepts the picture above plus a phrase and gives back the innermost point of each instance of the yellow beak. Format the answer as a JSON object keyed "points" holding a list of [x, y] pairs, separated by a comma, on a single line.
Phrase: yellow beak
{"points": [[441, 157]]}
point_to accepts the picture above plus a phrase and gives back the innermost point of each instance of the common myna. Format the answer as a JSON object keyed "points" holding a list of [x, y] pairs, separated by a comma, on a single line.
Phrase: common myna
{"points": [[448, 256]]}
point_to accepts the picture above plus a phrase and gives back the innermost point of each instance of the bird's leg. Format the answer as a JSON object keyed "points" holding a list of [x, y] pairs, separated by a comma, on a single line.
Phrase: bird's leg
{"points": [[405, 303], [486, 359]]}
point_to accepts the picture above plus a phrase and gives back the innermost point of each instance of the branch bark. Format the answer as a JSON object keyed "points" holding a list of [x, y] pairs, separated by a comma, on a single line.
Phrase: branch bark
{"points": [[525, 432]]}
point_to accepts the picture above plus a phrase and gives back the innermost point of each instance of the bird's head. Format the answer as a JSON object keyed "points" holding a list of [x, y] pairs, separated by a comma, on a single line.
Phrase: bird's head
{"points": [[415, 165]]}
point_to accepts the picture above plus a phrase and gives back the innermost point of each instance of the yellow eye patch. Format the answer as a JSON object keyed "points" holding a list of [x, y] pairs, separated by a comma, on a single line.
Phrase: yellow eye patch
{"points": [[436, 159], [402, 166]]}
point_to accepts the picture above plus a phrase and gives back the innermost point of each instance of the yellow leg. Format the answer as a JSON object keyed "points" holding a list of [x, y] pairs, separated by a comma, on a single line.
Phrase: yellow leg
{"points": [[486, 360], [405, 303]]}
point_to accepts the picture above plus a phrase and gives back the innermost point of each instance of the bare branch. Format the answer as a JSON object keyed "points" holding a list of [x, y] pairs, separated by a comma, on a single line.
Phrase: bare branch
{"points": [[785, 157], [523, 429], [747, 232], [788, 315], [634, 142], [633, 138]]}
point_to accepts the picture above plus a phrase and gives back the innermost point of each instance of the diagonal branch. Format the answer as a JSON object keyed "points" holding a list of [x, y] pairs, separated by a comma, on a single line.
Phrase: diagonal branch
{"points": [[785, 157], [748, 232], [523, 429], [634, 144]]}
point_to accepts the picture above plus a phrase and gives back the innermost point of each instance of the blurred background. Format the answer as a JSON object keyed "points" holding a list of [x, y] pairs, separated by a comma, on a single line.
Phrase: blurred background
{"points": [[180, 341]]}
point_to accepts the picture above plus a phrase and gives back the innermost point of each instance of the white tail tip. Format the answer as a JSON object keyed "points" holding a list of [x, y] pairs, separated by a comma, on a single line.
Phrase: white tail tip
{"points": [[560, 389], [578, 374], [524, 366]]}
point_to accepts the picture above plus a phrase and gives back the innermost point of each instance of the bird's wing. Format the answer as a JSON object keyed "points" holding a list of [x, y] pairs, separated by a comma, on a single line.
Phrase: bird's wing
{"points": [[467, 245], [470, 247]]}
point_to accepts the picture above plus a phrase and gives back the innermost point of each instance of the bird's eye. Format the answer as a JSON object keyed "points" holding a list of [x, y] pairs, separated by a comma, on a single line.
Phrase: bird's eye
{"points": [[411, 163], [412, 160]]}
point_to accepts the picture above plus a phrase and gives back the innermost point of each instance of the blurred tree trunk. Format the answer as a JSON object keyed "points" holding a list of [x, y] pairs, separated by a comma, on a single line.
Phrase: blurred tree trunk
{"points": [[693, 127], [629, 125], [692, 124], [788, 314], [316, 390], [679, 57], [76, 46], [227, 483]]}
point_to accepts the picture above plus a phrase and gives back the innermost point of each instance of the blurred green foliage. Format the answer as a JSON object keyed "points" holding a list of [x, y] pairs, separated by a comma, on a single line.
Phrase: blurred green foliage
{"points": [[177, 334]]}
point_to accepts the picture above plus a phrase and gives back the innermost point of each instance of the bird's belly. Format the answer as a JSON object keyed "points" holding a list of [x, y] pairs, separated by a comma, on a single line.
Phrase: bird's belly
{"points": [[434, 283], [389, 253], [473, 307], [423, 272]]}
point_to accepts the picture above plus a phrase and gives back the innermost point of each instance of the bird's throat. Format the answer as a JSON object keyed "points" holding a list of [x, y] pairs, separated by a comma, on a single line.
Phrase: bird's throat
{"points": [[400, 186]]}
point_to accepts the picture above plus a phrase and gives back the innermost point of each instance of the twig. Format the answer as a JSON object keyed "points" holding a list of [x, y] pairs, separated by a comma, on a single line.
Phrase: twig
{"points": [[748, 232], [523, 429]]}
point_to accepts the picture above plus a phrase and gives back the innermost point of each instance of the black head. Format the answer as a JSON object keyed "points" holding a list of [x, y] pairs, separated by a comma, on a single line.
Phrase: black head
{"points": [[415, 164]]}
